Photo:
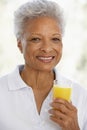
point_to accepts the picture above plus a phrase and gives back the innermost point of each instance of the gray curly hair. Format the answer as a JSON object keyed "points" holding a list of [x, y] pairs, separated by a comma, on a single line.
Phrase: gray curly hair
{"points": [[37, 8]]}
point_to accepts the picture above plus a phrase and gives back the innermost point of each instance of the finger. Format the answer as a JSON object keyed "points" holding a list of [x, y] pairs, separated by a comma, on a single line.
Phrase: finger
{"points": [[57, 114], [65, 107], [60, 107], [69, 105], [56, 120], [63, 120]]}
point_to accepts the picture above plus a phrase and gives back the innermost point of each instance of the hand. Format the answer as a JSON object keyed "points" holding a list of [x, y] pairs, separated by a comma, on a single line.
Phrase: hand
{"points": [[64, 114]]}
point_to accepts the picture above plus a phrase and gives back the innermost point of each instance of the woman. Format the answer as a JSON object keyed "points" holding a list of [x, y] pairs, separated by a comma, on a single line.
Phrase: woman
{"points": [[26, 94]]}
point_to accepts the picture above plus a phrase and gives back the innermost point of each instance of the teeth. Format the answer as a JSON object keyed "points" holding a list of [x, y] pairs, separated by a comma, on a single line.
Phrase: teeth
{"points": [[45, 58]]}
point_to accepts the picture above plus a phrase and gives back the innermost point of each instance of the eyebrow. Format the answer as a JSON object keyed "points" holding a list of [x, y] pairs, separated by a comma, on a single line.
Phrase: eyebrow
{"points": [[57, 34], [52, 34]]}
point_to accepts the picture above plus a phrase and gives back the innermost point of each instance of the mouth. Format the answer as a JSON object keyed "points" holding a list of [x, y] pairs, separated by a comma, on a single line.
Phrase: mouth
{"points": [[45, 59]]}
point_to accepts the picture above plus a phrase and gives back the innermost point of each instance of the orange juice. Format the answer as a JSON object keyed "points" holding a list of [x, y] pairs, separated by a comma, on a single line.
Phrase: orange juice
{"points": [[62, 92]]}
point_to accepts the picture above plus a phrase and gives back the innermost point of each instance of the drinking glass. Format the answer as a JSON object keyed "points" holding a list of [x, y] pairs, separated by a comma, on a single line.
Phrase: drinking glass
{"points": [[62, 89]]}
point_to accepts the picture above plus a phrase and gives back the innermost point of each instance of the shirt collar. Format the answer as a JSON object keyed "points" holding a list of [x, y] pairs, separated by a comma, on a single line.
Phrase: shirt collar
{"points": [[15, 81]]}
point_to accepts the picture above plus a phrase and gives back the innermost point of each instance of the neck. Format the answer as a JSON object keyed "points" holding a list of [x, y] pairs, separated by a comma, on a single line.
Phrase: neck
{"points": [[37, 79], [41, 83]]}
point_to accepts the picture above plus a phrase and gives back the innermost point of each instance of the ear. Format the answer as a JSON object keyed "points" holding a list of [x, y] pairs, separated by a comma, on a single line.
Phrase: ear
{"points": [[19, 44]]}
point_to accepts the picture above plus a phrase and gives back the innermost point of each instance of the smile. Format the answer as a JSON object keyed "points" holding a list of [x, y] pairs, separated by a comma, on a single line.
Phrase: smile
{"points": [[46, 59]]}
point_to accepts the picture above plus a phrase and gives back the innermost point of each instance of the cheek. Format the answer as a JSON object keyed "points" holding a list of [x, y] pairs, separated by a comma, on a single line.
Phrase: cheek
{"points": [[28, 53], [59, 53], [59, 50]]}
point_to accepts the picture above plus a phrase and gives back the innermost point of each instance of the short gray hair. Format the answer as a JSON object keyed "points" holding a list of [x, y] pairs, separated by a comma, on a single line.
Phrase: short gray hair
{"points": [[37, 8]]}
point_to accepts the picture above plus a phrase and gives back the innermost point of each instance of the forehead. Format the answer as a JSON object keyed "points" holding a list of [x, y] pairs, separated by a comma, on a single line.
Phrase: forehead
{"points": [[42, 25]]}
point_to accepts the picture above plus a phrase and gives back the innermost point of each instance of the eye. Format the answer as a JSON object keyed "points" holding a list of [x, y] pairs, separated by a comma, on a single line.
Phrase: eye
{"points": [[55, 39], [35, 39]]}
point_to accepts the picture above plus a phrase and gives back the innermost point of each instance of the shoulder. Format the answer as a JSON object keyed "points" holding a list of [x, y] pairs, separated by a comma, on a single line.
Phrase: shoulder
{"points": [[79, 94], [8, 78], [3, 87], [3, 80]]}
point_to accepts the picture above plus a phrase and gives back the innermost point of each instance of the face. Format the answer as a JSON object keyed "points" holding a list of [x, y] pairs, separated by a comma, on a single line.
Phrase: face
{"points": [[41, 44]]}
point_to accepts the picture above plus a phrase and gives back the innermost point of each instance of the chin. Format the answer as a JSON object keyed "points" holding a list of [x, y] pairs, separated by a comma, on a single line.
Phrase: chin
{"points": [[46, 69]]}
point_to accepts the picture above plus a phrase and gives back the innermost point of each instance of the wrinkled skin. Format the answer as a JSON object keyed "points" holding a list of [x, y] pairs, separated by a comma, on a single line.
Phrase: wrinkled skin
{"points": [[64, 114]]}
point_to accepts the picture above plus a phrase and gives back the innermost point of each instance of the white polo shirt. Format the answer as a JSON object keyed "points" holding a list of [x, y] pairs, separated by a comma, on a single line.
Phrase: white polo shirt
{"points": [[18, 108]]}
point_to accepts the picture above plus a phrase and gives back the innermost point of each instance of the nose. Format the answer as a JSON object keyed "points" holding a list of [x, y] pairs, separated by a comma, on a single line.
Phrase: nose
{"points": [[46, 46]]}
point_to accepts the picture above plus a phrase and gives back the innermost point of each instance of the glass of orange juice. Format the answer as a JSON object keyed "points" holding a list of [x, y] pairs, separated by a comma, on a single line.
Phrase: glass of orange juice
{"points": [[62, 89]]}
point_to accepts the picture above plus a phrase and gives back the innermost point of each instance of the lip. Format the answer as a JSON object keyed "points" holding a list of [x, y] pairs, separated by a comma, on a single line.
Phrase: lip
{"points": [[45, 59]]}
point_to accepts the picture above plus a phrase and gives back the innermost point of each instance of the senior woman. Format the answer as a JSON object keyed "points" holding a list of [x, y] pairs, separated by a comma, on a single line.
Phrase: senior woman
{"points": [[26, 94]]}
